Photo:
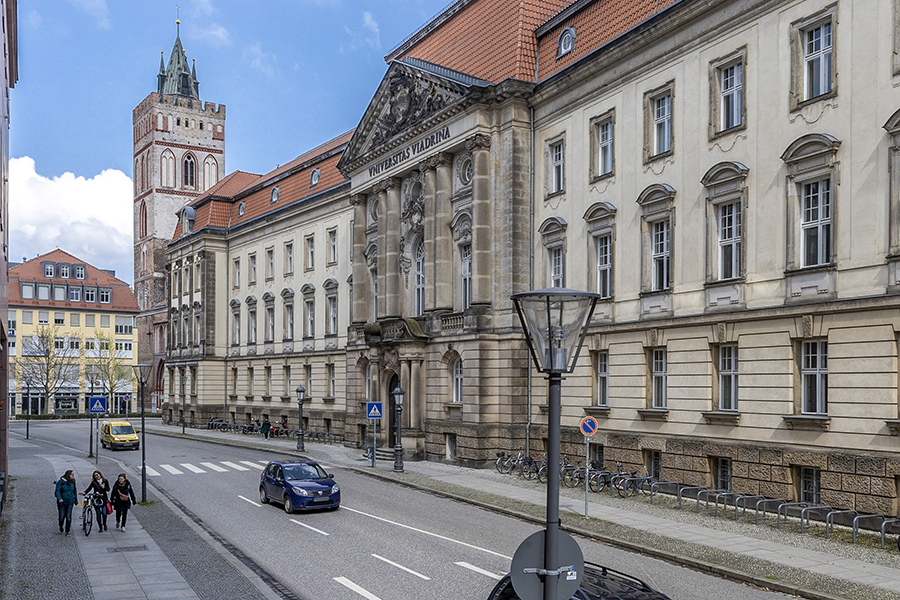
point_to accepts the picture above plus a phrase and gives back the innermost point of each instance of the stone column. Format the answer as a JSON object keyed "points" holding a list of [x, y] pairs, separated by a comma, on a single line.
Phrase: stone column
{"points": [[429, 175], [360, 271], [479, 145], [417, 406], [381, 264], [406, 416], [443, 239], [390, 233]]}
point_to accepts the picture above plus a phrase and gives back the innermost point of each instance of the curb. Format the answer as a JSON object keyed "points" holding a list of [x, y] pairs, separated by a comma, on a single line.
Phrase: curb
{"points": [[692, 563]]}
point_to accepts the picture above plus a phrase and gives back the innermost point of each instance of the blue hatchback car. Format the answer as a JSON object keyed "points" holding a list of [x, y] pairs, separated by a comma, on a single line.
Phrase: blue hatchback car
{"points": [[298, 486]]}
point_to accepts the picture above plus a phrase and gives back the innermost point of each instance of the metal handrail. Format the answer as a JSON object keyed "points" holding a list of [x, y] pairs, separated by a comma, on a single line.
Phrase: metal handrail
{"points": [[860, 517], [764, 502], [829, 521]]}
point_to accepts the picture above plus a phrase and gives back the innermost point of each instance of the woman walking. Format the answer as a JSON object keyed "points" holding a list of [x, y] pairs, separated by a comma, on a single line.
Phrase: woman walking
{"points": [[100, 486], [66, 497], [122, 497]]}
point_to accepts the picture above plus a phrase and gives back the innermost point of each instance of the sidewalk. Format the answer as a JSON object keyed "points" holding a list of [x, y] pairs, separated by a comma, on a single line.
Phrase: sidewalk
{"points": [[779, 559]]}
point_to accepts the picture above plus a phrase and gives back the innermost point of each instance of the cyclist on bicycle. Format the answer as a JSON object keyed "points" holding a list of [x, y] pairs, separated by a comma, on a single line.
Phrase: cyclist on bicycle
{"points": [[66, 497], [100, 486]]}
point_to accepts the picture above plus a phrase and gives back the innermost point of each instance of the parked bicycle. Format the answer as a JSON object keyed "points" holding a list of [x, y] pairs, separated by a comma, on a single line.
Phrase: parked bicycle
{"points": [[630, 485]]}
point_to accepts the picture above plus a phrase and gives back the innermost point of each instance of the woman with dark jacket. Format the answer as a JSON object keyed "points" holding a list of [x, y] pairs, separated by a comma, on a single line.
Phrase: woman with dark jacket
{"points": [[66, 497], [100, 486], [122, 497]]}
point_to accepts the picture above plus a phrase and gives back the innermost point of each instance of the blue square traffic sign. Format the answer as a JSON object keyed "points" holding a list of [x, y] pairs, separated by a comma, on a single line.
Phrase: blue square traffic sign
{"points": [[373, 410], [98, 405]]}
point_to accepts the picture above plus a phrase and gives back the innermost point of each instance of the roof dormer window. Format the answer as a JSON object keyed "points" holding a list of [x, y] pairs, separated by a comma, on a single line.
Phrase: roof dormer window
{"points": [[241, 208], [188, 215], [566, 42], [79, 271], [49, 270], [274, 195], [314, 177]]}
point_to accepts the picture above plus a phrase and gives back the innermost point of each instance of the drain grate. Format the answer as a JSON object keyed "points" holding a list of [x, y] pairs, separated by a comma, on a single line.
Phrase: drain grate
{"points": [[127, 548]]}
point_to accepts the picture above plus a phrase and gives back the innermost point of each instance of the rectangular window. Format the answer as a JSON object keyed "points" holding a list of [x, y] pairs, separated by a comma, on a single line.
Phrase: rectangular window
{"points": [[11, 319], [723, 474], [59, 293], [270, 323], [74, 294], [310, 252], [661, 256], [603, 244], [197, 275], [732, 84], [331, 385], [48, 271], [307, 375], [655, 468], [251, 326], [27, 291], [605, 148], [43, 317], [658, 375], [557, 167], [816, 223], [556, 267], [466, 271], [27, 317], [236, 328], [59, 344], [729, 240], [249, 381], [728, 377], [251, 268], [289, 258], [603, 379], [332, 246], [810, 486], [124, 325], [64, 271], [44, 292], [79, 272], [104, 320], [90, 295], [662, 124], [90, 320], [817, 60], [287, 381], [814, 376], [236, 272], [59, 318], [75, 319], [332, 315], [288, 321], [270, 263], [310, 307], [267, 375]]}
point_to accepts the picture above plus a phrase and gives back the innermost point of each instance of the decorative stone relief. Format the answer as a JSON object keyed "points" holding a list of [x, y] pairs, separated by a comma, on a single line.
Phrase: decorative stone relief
{"points": [[409, 102]]}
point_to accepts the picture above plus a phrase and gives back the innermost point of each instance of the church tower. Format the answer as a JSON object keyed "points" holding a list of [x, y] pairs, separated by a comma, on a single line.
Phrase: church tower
{"points": [[179, 152]]}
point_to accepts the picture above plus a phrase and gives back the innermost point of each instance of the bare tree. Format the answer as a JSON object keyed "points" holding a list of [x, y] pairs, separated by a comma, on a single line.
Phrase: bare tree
{"points": [[108, 361], [51, 361]]}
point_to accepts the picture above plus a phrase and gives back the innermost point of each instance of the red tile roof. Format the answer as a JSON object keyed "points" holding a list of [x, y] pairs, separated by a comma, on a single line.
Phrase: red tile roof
{"points": [[122, 298]]}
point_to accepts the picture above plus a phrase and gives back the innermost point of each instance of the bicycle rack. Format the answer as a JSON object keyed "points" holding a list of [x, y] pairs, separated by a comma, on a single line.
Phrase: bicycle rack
{"points": [[788, 505], [860, 517], [764, 502], [745, 499], [829, 521], [707, 492], [725, 496], [697, 488], [884, 526], [654, 487], [805, 513]]}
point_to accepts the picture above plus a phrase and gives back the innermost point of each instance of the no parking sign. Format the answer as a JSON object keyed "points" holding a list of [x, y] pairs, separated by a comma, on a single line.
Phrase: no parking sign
{"points": [[589, 426]]}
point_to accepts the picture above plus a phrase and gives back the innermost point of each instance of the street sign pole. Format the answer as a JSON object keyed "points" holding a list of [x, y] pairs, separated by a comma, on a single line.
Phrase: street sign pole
{"points": [[587, 471], [374, 439], [97, 453]]}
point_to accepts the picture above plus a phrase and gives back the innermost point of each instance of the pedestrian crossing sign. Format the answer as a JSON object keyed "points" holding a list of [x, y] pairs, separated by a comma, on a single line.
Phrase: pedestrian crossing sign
{"points": [[373, 410], [98, 405]]}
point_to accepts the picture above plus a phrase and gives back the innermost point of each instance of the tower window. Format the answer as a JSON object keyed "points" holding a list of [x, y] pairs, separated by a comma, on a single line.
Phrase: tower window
{"points": [[188, 174], [201, 124], [178, 120]]}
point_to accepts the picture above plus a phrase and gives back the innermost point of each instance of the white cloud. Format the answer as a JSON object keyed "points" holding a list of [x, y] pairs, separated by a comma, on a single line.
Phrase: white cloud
{"points": [[88, 218], [214, 34], [34, 19], [202, 7], [95, 8], [368, 35], [261, 61]]}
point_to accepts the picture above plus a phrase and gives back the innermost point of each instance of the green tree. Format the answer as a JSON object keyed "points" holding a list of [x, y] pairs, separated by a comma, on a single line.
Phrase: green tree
{"points": [[51, 361], [109, 364]]}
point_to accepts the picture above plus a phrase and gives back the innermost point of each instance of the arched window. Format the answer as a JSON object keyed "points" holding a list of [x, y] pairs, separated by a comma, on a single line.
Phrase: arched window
{"points": [[137, 175], [167, 169], [188, 172], [420, 278], [457, 375], [142, 220], [143, 173], [210, 172]]}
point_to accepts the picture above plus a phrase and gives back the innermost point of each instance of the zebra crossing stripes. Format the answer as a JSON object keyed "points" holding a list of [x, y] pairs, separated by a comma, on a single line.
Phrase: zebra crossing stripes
{"points": [[152, 472], [172, 469], [192, 468], [251, 464], [222, 467], [213, 467], [234, 466]]}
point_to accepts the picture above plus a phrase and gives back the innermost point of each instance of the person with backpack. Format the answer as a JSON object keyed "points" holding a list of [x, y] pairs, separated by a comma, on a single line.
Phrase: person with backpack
{"points": [[266, 426], [122, 498], [66, 498], [100, 486]]}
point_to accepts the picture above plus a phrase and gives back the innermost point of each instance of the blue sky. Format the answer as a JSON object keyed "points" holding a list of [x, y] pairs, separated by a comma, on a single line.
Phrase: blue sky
{"points": [[292, 74]]}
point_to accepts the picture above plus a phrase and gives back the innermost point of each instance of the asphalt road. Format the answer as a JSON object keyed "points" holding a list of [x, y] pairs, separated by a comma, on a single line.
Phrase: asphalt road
{"points": [[386, 542]]}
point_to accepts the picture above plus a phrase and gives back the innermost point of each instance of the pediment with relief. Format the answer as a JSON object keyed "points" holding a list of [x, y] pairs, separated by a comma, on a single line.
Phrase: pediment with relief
{"points": [[406, 97]]}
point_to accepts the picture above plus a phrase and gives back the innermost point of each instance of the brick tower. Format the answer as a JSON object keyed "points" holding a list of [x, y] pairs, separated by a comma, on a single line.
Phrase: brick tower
{"points": [[179, 152]]}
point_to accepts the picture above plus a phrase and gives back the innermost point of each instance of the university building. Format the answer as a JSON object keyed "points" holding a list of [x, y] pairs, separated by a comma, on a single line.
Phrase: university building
{"points": [[725, 175], [71, 335]]}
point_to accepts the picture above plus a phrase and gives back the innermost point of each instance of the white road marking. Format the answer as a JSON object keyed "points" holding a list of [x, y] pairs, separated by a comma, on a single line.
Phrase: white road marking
{"points": [[477, 570], [249, 500], [308, 527], [349, 584], [214, 467], [251, 464], [191, 467], [264, 463], [344, 507], [231, 465], [152, 472], [172, 470], [401, 567]]}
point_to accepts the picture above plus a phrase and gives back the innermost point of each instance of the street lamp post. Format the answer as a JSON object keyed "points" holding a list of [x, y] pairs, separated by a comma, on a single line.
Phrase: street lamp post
{"points": [[555, 321], [28, 410], [183, 397], [398, 447], [91, 422], [142, 372], [301, 392]]}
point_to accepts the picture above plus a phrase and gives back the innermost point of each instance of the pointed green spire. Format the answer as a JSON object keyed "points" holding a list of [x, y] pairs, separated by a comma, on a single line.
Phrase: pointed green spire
{"points": [[178, 79]]}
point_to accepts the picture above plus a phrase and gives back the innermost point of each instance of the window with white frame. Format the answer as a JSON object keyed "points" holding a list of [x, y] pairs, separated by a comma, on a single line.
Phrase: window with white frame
{"points": [[79, 272], [466, 275], [331, 301], [251, 268], [270, 263], [662, 124], [332, 246], [331, 382], [661, 255], [124, 325], [557, 267], [236, 272], [44, 292], [368, 381], [27, 317], [59, 318], [43, 317], [658, 374], [309, 305], [728, 377], [731, 95], [270, 323], [814, 377], [729, 234], [457, 378], [236, 327], [59, 293], [64, 271], [603, 249], [557, 167], [75, 319], [815, 223], [289, 258], [605, 148], [603, 379], [817, 45], [420, 278], [49, 270], [251, 326], [27, 291], [289, 320], [310, 252]]}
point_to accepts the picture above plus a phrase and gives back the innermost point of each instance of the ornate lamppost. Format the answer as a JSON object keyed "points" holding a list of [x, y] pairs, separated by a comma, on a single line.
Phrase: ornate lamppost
{"points": [[398, 447], [555, 321], [142, 372], [301, 393]]}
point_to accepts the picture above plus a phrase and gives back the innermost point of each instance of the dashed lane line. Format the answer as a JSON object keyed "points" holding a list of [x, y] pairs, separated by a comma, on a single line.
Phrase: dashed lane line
{"points": [[361, 591], [309, 527], [477, 570], [401, 567], [249, 500]]}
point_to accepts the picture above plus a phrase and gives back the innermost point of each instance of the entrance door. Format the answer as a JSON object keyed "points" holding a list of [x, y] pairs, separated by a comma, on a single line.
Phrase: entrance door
{"points": [[391, 415]]}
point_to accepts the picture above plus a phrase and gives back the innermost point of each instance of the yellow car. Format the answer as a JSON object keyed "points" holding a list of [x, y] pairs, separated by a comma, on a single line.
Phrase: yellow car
{"points": [[118, 434]]}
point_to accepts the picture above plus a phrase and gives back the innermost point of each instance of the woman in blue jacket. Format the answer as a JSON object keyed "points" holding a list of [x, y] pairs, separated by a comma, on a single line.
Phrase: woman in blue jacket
{"points": [[66, 497]]}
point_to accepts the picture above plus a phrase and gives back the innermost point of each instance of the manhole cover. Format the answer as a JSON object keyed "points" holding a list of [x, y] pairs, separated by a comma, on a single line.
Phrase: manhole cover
{"points": [[127, 548]]}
